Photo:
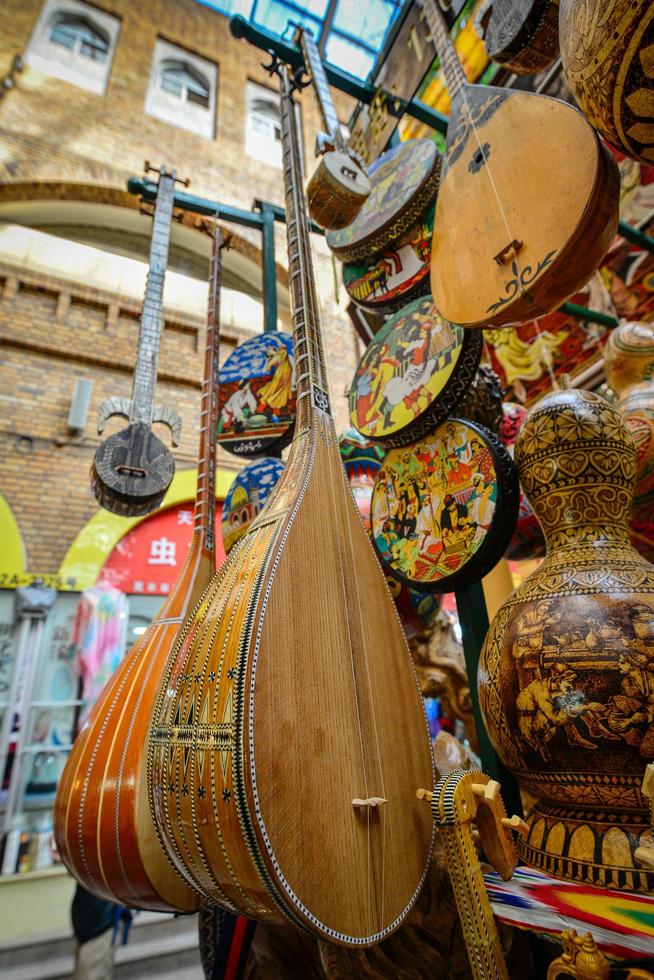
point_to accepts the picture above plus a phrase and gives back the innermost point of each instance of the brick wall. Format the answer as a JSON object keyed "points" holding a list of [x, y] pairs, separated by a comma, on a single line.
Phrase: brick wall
{"points": [[58, 141]]}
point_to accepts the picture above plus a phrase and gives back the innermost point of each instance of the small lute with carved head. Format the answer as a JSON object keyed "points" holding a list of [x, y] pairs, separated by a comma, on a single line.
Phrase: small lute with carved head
{"points": [[527, 204], [337, 190], [132, 468]]}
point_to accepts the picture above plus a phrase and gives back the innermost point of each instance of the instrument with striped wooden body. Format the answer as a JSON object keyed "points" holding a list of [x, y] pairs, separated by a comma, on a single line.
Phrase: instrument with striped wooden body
{"points": [[102, 820], [339, 187], [132, 469], [288, 731], [521, 35], [527, 205]]}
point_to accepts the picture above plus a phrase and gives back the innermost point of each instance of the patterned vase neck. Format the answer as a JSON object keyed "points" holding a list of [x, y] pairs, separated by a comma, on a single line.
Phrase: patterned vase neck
{"points": [[577, 465], [629, 356]]}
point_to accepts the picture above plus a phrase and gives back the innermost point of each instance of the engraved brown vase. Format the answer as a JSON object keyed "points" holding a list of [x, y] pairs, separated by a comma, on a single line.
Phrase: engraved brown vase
{"points": [[566, 676], [629, 363]]}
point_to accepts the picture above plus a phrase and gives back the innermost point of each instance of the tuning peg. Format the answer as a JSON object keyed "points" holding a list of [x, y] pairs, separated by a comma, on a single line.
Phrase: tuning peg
{"points": [[424, 794], [516, 823]]}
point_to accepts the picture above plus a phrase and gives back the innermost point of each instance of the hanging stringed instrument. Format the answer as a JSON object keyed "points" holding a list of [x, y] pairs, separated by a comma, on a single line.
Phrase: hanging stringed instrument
{"points": [[339, 187], [527, 205], [289, 733], [521, 35], [132, 468], [102, 820]]}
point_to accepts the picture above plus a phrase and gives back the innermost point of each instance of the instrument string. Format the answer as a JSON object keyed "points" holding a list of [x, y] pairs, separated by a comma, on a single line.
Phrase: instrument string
{"points": [[319, 307], [305, 319]]}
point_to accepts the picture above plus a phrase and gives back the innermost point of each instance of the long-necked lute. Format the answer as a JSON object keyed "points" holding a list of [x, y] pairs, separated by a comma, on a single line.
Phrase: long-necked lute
{"points": [[527, 205], [102, 820], [132, 469], [289, 734], [339, 187]]}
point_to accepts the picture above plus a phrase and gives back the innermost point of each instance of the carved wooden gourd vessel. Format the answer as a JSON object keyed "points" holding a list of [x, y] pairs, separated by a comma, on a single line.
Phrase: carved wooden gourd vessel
{"points": [[607, 54], [629, 362], [566, 675]]}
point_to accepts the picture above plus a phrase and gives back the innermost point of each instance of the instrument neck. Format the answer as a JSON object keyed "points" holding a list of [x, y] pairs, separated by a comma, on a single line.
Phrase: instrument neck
{"points": [[311, 376], [145, 371], [452, 68], [316, 69], [205, 495]]}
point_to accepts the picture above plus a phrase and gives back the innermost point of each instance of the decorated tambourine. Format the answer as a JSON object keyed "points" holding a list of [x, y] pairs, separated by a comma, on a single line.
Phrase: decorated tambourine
{"points": [[404, 181], [246, 497], [257, 396], [528, 540], [413, 374], [394, 277], [444, 508], [362, 460]]}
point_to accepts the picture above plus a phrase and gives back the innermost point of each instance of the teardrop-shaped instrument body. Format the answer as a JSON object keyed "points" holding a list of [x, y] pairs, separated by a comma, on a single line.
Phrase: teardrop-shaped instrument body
{"points": [[527, 207], [292, 695], [102, 822]]}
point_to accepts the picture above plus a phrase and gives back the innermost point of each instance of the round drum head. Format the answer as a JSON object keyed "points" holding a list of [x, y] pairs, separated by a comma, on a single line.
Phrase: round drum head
{"points": [[390, 280], [414, 373], [246, 497], [444, 508], [404, 180], [257, 396]]}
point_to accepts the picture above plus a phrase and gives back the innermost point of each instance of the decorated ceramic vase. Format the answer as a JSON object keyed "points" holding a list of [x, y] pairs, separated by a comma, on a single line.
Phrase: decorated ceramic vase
{"points": [[528, 540], [566, 675], [362, 460], [629, 362], [606, 51]]}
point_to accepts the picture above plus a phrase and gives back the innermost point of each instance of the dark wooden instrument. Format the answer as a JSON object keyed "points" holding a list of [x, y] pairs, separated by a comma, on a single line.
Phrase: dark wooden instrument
{"points": [[102, 820], [444, 509], [528, 201], [289, 734], [606, 52], [394, 277], [132, 468], [414, 373], [256, 414], [404, 182], [521, 35], [339, 187]]}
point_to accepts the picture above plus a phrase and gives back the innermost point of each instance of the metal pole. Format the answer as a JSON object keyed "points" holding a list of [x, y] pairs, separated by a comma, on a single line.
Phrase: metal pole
{"points": [[268, 269]]}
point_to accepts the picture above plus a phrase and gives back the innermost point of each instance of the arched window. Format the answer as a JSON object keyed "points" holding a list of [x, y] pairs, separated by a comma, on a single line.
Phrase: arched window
{"points": [[265, 118], [80, 35], [181, 80]]}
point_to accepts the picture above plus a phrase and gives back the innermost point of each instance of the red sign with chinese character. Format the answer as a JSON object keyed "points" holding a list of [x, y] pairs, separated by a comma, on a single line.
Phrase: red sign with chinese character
{"points": [[149, 558]]}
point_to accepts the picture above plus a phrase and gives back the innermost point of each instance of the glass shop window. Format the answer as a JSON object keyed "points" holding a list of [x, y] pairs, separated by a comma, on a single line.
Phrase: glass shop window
{"points": [[80, 35]]}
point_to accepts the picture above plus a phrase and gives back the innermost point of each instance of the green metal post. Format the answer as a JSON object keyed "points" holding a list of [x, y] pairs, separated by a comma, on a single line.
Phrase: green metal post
{"points": [[637, 237], [269, 271], [473, 619], [581, 313]]}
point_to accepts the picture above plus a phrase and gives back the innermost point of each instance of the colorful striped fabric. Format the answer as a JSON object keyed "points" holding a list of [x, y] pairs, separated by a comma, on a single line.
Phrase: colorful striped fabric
{"points": [[622, 923]]}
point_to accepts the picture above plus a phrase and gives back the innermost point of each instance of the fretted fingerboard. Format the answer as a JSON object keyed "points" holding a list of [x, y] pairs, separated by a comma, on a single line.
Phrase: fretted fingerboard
{"points": [[315, 67], [454, 73], [312, 389], [145, 371], [205, 499]]}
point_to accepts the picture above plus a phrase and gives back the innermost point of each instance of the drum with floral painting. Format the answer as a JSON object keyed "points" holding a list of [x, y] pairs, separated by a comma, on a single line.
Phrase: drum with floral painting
{"points": [[444, 508], [414, 373]]}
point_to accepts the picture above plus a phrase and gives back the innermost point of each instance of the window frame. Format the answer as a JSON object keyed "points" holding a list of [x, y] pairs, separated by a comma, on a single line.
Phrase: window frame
{"points": [[174, 108], [70, 63]]}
